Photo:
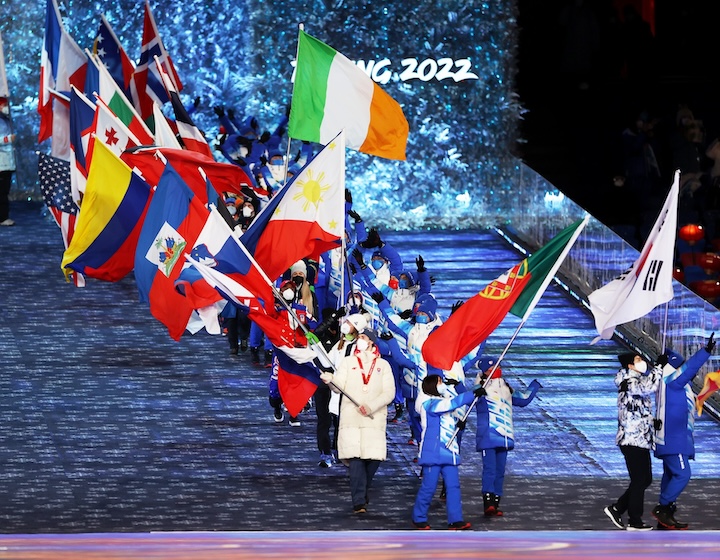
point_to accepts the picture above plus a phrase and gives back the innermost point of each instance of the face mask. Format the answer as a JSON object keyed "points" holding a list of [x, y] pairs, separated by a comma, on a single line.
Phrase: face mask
{"points": [[247, 211], [288, 294], [422, 319], [232, 210], [298, 280], [403, 284], [362, 344], [377, 264], [345, 328], [641, 366], [442, 389]]}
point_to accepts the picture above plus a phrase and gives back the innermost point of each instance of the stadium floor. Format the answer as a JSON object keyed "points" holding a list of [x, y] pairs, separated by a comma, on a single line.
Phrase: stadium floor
{"points": [[114, 435]]}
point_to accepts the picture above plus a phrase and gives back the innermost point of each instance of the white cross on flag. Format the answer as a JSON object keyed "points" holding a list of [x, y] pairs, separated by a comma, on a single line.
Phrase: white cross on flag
{"points": [[648, 282]]}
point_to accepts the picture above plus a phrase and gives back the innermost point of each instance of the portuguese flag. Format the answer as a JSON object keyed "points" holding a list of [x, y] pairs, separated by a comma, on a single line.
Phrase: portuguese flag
{"points": [[517, 291], [331, 94]]}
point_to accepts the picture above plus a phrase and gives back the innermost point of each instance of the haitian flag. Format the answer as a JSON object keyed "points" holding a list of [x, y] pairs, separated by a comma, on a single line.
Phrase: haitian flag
{"points": [[107, 229], [517, 292], [173, 223], [304, 218]]}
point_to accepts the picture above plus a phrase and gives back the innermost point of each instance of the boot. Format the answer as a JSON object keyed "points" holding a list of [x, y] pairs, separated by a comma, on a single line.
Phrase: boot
{"points": [[678, 524], [255, 355], [664, 516], [489, 504], [498, 511], [268, 358]]}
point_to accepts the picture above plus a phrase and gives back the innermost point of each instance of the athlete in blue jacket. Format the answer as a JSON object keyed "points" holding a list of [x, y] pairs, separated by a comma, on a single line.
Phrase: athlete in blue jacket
{"points": [[674, 426], [435, 407]]}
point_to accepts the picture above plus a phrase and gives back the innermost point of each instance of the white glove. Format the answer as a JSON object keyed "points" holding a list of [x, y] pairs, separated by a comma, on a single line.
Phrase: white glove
{"points": [[326, 377]]}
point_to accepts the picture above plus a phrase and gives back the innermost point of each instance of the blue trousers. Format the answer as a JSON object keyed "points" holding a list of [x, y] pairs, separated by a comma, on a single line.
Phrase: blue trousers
{"points": [[676, 475], [430, 476], [493, 475], [362, 472]]}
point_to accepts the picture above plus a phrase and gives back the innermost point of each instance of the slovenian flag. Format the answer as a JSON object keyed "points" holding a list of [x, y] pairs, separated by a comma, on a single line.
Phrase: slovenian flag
{"points": [[331, 94]]}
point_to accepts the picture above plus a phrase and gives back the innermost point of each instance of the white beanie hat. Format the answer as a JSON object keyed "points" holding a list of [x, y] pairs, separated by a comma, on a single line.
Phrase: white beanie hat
{"points": [[299, 266], [357, 321]]}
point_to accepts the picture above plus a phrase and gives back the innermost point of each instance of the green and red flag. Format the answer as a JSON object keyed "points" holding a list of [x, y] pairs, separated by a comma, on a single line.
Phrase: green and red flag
{"points": [[517, 291]]}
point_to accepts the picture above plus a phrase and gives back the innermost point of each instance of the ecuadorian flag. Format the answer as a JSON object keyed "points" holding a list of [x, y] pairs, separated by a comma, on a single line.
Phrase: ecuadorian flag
{"points": [[109, 222]]}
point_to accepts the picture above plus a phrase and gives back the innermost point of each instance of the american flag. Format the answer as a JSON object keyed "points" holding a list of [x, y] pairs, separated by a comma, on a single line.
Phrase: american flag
{"points": [[54, 176]]}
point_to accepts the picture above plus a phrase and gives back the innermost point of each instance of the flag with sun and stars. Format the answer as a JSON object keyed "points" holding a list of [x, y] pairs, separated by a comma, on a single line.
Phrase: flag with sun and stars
{"points": [[306, 217]]}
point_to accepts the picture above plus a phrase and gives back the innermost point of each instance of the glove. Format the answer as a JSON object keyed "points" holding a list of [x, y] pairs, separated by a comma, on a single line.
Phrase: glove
{"points": [[358, 256], [451, 382], [461, 424], [405, 314], [355, 216], [432, 280], [311, 338], [623, 387], [219, 111], [386, 335], [711, 344], [326, 377], [662, 360], [657, 424], [196, 103], [420, 262], [480, 392], [231, 114], [353, 268], [348, 196], [340, 312], [377, 296], [455, 306], [373, 239]]}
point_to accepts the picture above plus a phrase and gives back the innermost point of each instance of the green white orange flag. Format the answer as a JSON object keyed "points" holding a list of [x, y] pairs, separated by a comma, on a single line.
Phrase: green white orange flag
{"points": [[517, 291], [331, 94]]}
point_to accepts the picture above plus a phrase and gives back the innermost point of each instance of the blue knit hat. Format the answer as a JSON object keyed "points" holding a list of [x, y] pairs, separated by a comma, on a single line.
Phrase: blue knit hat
{"points": [[427, 305], [485, 363]]}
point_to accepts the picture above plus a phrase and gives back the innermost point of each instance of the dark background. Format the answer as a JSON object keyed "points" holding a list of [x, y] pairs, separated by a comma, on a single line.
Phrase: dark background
{"points": [[574, 119]]}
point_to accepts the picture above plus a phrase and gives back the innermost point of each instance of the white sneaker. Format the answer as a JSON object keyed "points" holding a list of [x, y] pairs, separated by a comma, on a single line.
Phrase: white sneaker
{"points": [[7, 222]]}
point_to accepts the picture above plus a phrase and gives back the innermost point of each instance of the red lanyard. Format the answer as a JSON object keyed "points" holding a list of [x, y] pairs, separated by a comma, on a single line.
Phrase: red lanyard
{"points": [[366, 379]]}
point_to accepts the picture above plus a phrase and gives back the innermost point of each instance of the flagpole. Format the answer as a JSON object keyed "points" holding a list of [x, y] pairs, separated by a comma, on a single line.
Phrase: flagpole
{"points": [[315, 347], [489, 377], [301, 27], [541, 290]]}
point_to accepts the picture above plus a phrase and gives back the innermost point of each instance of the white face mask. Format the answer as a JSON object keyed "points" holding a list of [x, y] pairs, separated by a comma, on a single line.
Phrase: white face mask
{"points": [[288, 294], [641, 366], [247, 211], [442, 389], [362, 344], [232, 210], [345, 328]]}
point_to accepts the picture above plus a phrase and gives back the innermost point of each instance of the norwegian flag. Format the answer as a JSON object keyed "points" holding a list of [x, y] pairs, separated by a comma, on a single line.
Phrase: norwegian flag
{"points": [[54, 175], [147, 86]]}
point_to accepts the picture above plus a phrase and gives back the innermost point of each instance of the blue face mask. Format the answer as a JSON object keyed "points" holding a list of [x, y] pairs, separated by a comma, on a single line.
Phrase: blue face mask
{"points": [[403, 284], [422, 319], [377, 264]]}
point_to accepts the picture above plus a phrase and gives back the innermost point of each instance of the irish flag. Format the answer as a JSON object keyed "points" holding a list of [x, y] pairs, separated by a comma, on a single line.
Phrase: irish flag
{"points": [[517, 291], [332, 94]]}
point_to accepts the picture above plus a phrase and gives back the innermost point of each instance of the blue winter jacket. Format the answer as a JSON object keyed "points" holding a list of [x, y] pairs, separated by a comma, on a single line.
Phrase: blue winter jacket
{"points": [[438, 426], [675, 408]]}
